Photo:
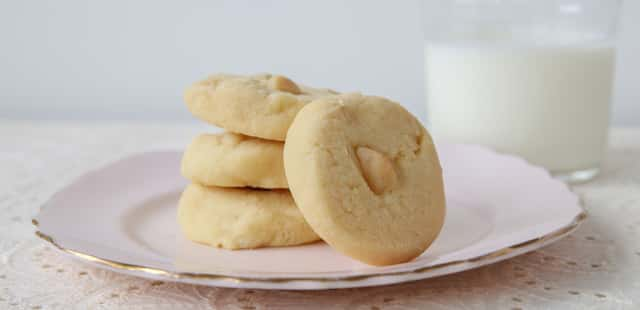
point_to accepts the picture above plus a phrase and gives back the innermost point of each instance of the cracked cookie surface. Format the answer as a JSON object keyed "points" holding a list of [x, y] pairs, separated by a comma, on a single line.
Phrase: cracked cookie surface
{"points": [[366, 176], [261, 105]]}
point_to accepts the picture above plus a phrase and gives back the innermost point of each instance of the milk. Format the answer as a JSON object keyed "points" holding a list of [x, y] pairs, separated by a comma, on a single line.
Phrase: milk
{"points": [[548, 104]]}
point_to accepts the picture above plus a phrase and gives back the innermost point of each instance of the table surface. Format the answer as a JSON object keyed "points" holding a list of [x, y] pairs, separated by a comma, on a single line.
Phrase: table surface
{"points": [[598, 267]]}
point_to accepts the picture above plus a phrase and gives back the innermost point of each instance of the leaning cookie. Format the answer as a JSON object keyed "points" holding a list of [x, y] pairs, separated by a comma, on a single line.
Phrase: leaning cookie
{"points": [[366, 176], [259, 105], [240, 218], [234, 160]]}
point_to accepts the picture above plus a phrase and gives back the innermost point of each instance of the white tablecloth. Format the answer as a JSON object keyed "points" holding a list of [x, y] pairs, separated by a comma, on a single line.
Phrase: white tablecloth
{"points": [[598, 267]]}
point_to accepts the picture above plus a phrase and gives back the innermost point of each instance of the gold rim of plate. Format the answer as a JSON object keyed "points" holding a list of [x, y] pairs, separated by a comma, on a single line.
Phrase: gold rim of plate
{"points": [[579, 219]]}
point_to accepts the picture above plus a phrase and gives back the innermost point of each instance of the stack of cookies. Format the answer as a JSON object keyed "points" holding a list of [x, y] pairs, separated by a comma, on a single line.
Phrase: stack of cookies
{"points": [[359, 172], [239, 195]]}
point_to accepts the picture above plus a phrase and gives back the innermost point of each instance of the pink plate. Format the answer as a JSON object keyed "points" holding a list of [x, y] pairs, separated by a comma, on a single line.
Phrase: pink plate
{"points": [[122, 217]]}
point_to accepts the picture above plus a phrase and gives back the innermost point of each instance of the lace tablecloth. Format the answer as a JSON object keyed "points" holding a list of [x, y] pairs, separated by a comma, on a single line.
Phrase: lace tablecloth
{"points": [[598, 267]]}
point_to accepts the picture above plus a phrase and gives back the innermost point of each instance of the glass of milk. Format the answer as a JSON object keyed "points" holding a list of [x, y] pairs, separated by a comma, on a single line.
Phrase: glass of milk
{"points": [[531, 78]]}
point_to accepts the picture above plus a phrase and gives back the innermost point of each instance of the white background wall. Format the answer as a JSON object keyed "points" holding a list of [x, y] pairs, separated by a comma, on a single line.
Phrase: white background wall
{"points": [[132, 59]]}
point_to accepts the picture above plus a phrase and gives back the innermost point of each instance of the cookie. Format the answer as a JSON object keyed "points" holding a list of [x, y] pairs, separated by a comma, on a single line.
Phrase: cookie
{"points": [[241, 218], [366, 176], [258, 105], [234, 160]]}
